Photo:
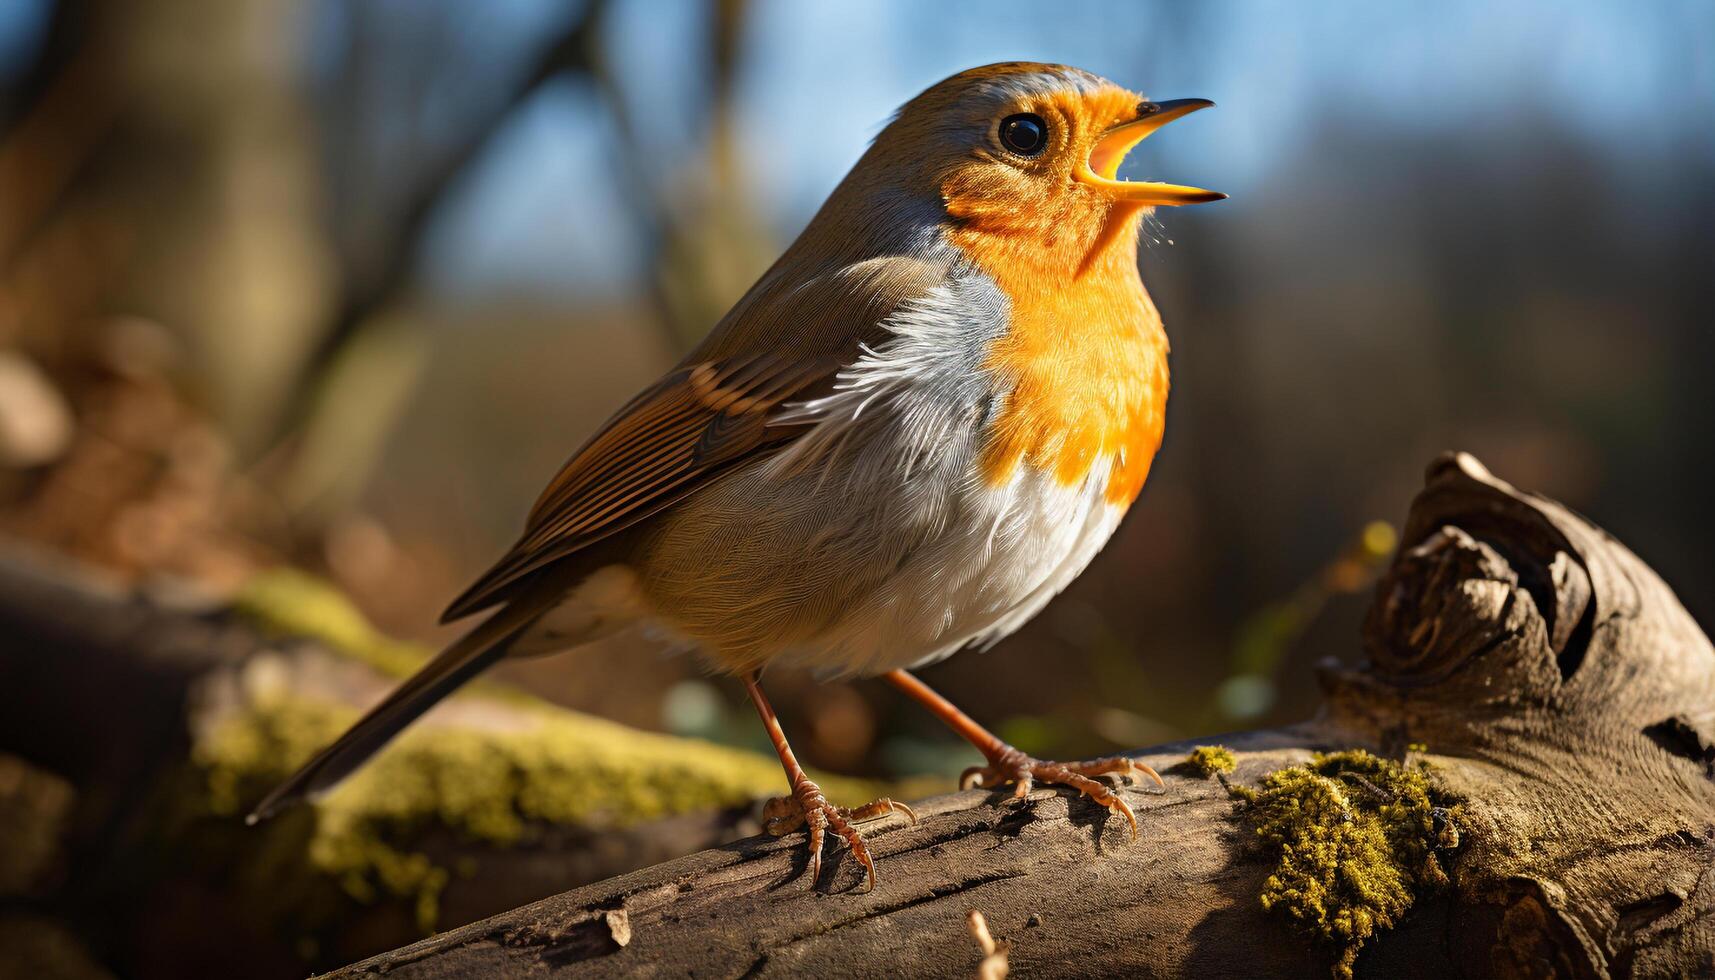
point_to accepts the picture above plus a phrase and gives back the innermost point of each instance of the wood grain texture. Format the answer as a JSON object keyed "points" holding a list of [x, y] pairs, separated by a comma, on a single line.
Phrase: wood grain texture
{"points": [[1565, 696], [1101, 903]]}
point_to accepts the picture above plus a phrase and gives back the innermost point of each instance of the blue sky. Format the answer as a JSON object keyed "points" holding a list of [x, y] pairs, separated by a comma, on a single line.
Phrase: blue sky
{"points": [[21, 25], [541, 211], [822, 77]]}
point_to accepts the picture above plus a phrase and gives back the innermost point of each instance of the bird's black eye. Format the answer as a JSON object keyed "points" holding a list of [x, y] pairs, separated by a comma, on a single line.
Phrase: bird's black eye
{"points": [[1025, 134]]}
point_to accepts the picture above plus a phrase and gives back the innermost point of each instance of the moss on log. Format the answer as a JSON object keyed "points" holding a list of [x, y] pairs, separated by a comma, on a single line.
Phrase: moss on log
{"points": [[493, 767], [1517, 780], [1533, 798], [493, 799]]}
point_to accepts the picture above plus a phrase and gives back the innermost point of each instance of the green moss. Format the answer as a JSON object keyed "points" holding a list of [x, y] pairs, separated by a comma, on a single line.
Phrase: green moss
{"points": [[501, 786], [290, 602], [1354, 839], [1207, 760], [500, 779]]}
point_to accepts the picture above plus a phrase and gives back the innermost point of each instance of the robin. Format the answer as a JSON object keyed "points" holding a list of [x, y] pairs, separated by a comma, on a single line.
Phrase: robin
{"points": [[910, 434]]}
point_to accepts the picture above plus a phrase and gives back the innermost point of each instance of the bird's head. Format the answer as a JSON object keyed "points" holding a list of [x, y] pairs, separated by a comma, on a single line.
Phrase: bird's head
{"points": [[1024, 158]]}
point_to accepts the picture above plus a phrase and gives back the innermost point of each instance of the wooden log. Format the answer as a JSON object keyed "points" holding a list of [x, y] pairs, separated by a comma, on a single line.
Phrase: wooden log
{"points": [[1557, 696], [169, 714]]}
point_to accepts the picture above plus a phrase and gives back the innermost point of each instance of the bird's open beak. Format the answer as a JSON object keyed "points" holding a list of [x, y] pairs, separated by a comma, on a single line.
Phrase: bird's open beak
{"points": [[1110, 151]]}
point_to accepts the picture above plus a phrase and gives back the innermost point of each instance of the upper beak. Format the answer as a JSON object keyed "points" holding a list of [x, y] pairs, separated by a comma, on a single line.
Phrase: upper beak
{"points": [[1110, 150]]}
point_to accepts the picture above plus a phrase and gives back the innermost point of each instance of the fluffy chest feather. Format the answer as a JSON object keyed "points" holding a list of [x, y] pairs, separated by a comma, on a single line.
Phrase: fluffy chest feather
{"points": [[1083, 360], [886, 535]]}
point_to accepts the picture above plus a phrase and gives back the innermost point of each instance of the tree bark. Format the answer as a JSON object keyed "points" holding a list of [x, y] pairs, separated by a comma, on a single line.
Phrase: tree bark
{"points": [[1562, 697], [113, 691], [1566, 701]]}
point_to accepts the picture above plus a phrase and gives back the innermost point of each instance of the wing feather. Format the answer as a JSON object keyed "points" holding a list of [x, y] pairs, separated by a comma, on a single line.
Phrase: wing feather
{"points": [[716, 410]]}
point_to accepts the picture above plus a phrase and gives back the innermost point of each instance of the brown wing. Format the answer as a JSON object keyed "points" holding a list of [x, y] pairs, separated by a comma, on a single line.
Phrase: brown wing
{"points": [[708, 414], [683, 430]]}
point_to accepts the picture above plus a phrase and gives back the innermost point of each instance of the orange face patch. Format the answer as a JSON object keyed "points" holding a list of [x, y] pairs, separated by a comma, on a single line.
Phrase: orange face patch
{"points": [[1084, 351]]}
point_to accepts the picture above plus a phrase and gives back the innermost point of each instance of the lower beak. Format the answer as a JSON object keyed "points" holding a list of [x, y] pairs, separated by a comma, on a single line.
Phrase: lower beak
{"points": [[1110, 151]]}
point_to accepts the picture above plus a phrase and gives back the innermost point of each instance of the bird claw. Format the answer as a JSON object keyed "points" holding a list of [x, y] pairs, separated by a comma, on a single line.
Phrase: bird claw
{"points": [[808, 807], [1024, 772]]}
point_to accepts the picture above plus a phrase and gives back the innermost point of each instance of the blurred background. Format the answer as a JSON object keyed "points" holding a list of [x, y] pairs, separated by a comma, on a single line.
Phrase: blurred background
{"points": [[337, 284]]}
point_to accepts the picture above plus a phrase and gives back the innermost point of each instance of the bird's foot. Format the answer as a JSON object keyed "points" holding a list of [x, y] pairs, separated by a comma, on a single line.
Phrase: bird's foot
{"points": [[808, 807], [1008, 765]]}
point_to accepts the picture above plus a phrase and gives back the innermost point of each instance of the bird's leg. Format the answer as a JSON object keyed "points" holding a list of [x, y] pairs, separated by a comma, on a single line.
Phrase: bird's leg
{"points": [[807, 806], [1008, 765]]}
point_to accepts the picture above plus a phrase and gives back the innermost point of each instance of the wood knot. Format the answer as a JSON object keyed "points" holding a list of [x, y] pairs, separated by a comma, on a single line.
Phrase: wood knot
{"points": [[1457, 464], [1485, 571], [1442, 602]]}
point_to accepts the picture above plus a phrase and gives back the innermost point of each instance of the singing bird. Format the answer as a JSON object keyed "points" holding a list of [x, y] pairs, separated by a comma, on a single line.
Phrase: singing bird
{"points": [[911, 433]]}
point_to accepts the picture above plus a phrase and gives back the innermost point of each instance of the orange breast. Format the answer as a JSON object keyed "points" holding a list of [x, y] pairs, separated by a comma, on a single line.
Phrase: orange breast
{"points": [[1087, 358]]}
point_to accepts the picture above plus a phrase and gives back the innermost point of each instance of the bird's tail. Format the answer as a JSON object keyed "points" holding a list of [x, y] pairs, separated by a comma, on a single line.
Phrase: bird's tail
{"points": [[451, 668]]}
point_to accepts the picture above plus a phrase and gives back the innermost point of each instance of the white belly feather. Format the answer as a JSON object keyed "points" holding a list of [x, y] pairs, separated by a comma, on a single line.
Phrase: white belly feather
{"points": [[874, 542], [1015, 549]]}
